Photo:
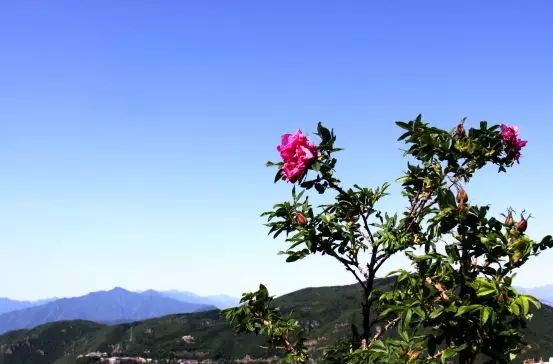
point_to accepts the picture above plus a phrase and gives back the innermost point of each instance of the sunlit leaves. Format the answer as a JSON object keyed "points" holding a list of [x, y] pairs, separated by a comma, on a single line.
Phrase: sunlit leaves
{"points": [[257, 315], [458, 300]]}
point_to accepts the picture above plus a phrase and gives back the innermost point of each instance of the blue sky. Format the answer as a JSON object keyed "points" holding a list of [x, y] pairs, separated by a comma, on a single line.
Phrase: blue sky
{"points": [[133, 134]]}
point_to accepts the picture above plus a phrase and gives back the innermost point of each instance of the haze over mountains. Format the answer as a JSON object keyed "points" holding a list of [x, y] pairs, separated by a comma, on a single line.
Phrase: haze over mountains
{"points": [[220, 301], [8, 305], [326, 315], [114, 306]]}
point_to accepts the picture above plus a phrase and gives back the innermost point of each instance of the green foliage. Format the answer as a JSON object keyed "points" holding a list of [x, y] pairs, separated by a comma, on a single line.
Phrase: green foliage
{"points": [[460, 293], [257, 315], [341, 228], [458, 303]]}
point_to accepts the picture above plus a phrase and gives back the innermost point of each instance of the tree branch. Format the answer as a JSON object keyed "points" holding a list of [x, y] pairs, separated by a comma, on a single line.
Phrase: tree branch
{"points": [[381, 332], [347, 264]]}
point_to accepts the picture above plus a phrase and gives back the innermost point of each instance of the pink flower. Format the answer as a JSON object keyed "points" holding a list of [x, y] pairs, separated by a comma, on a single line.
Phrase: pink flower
{"points": [[298, 153], [513, 144]]}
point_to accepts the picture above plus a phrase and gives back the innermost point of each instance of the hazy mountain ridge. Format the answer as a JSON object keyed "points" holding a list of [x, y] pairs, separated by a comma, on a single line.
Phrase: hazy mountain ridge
{"points": [[116, 305], [325, 313], [9, 305], [220, 301]]}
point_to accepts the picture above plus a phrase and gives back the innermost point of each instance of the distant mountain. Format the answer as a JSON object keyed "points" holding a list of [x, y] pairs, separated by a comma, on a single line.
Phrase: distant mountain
{"points": [[8, 305], [325, 314], [219, 301], [117, 305]]}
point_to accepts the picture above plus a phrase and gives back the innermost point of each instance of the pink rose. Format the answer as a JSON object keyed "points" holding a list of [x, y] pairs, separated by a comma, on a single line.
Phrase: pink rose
{"points": [[297, 153], [513, 144]]}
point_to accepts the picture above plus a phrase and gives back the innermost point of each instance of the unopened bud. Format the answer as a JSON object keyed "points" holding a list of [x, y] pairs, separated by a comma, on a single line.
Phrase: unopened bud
{"points": [[460, 129], [509, 221], [301, 219], [462, 196], [522, 224]]}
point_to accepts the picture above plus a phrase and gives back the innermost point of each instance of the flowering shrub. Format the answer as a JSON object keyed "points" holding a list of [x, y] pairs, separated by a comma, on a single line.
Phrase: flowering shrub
{"points": [[457, 302]]}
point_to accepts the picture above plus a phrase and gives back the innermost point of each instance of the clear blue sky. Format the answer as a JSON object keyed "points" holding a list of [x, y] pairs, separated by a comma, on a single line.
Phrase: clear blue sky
{"points": [[133, 134]]}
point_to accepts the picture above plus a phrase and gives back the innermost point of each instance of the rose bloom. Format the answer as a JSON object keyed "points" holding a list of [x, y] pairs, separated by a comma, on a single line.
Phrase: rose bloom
{"points": [[297, 153], [513, 144]]}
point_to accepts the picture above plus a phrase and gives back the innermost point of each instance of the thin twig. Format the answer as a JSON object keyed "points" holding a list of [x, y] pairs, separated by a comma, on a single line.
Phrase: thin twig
{"points": [[388, 326], [347, 264]]}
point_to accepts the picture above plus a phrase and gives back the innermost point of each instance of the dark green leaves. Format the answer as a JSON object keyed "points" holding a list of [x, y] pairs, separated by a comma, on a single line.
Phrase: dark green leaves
{"points": [[546, 243], [257, 315], [325, 134], [457, 300]]}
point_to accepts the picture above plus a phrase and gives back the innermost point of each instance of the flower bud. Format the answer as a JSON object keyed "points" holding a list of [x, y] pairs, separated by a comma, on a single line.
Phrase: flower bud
{"points": [[460, 129], [462, 196], [522, 224], [509, 221], [301, 219]]}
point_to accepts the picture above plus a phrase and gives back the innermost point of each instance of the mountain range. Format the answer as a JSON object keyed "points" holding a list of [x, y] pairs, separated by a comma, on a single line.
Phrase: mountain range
{"points": [[220, 301], [326, 314], [8, 305], [114, 306]]}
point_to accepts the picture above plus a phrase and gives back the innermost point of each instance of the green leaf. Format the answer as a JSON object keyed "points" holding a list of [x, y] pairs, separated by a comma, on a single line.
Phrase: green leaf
{"points": [[404, 135], [513, 307], [524, 304], [485, 314], [448, 353], [294, 257], [436, 313], [485, 292], [547, 242], [278, 176], [464, 309], [533, 301], [320, 188], [403, 125], [324, 133], [408, 314]]}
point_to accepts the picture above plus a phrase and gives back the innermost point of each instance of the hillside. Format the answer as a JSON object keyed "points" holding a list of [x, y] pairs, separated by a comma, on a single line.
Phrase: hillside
{"points": [[326, 314], [116, 305]]}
